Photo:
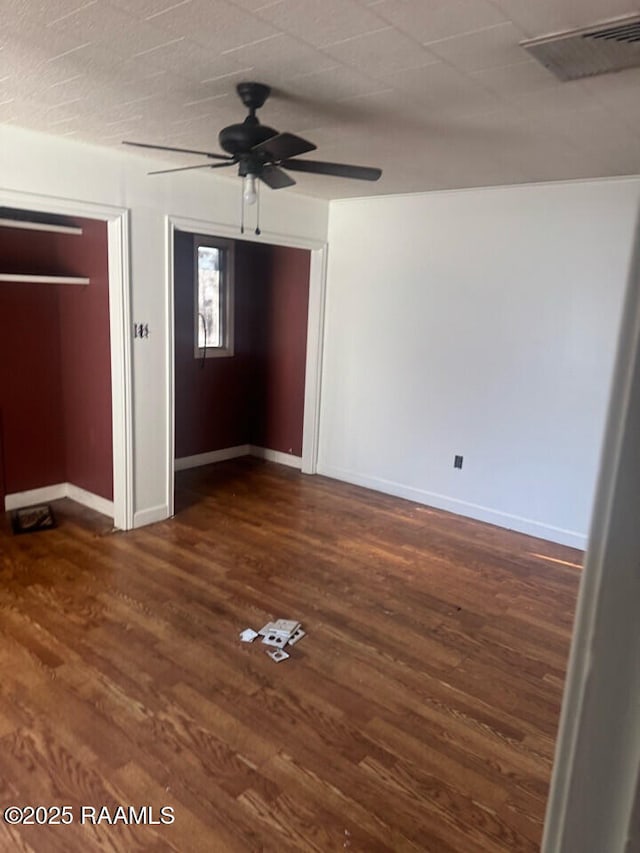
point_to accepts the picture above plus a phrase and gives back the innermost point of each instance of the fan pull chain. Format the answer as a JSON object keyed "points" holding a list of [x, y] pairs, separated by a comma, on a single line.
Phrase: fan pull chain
{"points": [[258, 210], [242, 212]]}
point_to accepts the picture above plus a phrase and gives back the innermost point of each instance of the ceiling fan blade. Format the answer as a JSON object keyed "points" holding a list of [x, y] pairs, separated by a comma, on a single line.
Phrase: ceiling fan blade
{"points": [[186, 168], [275, 178], [340, 170], [179, 150], [284, 145]]}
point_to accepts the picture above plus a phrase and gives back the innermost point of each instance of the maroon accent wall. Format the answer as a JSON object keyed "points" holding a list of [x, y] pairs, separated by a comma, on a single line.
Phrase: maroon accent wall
{"points": [[30, 386], [85, 363], [55, 380], [257, 396], [280, 345], [3, 489]]}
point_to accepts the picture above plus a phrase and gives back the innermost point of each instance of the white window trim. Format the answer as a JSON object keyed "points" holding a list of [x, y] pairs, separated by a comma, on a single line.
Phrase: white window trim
{"points": [[228, 298]]}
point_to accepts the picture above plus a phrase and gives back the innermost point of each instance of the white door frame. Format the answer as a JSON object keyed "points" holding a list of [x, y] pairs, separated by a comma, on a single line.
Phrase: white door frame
{"points": [[594, 800], [315, 331], [117, 220]]}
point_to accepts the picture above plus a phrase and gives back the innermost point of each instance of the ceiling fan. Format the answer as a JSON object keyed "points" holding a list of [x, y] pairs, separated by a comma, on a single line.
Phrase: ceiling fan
{"points": [[260, 152]]}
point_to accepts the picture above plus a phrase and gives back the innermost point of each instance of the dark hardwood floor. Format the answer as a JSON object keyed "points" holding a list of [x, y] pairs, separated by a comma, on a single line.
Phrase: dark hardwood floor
{"points": [[419, 714]]}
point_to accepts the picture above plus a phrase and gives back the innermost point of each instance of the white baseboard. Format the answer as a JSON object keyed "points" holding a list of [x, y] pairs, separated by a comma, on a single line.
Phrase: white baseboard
{"points": [[481, 513], [150, 515], [212, 456], [276, 456], [18, 500], [95, 502]]}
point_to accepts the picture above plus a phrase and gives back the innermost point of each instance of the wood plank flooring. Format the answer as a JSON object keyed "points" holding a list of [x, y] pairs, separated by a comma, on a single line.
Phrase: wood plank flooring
{"points": [[419, 714]]}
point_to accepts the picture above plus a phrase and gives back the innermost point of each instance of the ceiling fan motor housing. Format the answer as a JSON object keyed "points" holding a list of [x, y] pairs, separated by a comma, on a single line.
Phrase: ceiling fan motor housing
{"points": [[238, 139]]}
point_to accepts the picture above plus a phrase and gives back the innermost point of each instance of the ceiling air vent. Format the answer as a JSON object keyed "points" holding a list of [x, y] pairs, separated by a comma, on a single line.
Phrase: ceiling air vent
{"points": [[611, 46]]}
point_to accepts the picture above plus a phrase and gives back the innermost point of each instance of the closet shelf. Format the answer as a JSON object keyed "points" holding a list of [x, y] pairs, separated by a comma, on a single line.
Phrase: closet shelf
{"points": [[43, 279], [39, 226]]}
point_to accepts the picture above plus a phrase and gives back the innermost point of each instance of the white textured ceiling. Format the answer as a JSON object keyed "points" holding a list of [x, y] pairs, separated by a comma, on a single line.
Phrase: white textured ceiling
{"points": [[438, 93]]}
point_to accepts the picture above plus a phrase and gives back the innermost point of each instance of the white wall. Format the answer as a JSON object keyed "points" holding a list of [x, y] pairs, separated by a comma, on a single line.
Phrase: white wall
{"points": [[482, 323], [36, 163]]}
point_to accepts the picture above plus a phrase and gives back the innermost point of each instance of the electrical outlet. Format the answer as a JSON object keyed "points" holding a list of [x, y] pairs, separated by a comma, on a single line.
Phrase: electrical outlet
{"points": [[457, 461]]}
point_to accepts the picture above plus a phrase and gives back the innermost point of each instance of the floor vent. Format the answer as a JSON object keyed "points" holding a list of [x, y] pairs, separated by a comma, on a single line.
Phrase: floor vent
{"points": [[611, 46]]}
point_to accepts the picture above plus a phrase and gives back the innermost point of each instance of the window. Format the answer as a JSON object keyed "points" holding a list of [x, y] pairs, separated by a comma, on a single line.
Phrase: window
{"points": [[213, 266]]}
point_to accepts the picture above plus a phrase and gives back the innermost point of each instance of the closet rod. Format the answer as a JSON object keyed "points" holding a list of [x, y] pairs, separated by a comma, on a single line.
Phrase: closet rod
{"points": [[39, 226], [43, 279]]}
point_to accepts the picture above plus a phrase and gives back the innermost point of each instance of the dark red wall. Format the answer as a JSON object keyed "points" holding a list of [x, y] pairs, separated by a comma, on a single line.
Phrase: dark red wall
{"points": [[280, 346], [257, 396], [30, 386], [2, 477], [55, 383], [85, 363]]}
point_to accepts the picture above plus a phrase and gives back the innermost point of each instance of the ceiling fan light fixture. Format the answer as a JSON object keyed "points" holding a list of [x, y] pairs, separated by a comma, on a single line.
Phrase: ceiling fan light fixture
{"points": [[260, 152], [249, 193]]}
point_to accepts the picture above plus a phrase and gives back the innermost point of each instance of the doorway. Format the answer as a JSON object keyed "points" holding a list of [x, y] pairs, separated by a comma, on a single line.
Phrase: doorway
{"points": [[236, 432], [114, 361]]}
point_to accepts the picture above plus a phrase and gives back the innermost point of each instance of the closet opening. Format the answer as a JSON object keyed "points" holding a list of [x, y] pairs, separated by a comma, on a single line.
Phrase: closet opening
{"points": [[246, 332], [58, 396]]}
